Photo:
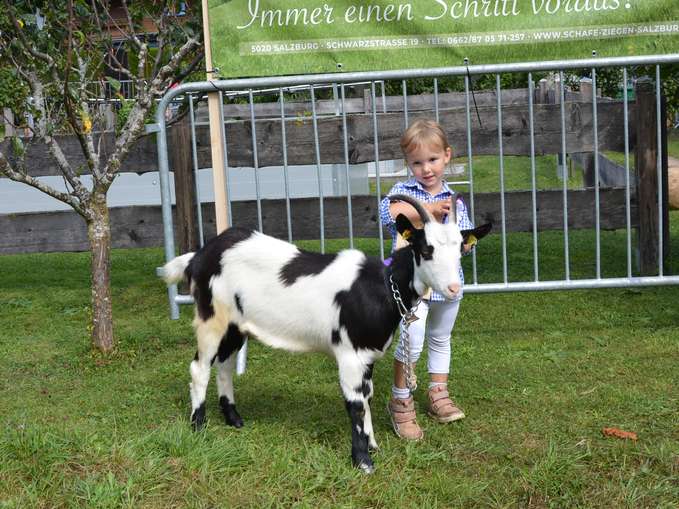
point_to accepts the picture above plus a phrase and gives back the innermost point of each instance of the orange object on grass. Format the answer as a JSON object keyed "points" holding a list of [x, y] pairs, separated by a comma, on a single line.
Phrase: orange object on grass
{"points": [[618, 433]]}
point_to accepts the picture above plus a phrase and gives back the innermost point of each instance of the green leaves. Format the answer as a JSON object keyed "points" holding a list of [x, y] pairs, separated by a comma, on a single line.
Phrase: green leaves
{"points": [[114, 83], [18, 146]]}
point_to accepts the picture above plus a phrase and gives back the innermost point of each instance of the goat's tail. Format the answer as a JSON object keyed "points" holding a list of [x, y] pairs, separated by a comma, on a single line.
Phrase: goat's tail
{"points": [[174, 270]]}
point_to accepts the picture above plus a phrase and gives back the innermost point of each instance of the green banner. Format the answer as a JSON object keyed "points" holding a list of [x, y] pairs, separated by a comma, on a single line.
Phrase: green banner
{"points": [[276, 37]]}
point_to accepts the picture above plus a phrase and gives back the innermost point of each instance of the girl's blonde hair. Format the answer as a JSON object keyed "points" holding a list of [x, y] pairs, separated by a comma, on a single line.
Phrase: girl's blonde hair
{"points": [[423, 132]]}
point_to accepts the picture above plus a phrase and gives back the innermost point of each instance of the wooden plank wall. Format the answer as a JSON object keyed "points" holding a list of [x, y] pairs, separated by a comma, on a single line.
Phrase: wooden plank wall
{"points": [[300, 137], [142, 226]]}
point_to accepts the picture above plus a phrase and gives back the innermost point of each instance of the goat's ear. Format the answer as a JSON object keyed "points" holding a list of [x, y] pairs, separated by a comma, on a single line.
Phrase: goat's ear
{"points": [[471, 236], [405, 228]]}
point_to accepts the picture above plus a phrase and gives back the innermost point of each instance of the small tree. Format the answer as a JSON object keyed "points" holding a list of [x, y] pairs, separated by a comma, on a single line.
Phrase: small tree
{"points": [[57, 60]]}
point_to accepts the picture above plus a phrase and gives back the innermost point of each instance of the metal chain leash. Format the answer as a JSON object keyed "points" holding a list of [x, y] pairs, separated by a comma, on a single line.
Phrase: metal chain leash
{"points": [[407, 316]]}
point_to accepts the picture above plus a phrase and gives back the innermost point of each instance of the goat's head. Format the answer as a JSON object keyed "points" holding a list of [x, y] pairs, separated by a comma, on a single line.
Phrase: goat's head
{"points": [[436, 250]]}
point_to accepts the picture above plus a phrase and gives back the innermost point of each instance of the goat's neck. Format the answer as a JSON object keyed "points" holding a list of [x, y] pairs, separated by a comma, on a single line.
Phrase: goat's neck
{"points": [[402, 271]]}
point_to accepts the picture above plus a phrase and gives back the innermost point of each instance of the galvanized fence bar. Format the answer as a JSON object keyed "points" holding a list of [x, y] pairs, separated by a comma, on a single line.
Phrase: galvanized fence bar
{"points": [[166, 204], [317, 150], [436, 99], [353, 77], [470, 165], [628, 207], [573, 284], [225, 168], [406, 121], [194, 155], [345, 139], [255, 161], [384, 96], [659, 162], [286, 177], [595, 134], [533, 180], [498, 89], [562, 97], [378, 180]]}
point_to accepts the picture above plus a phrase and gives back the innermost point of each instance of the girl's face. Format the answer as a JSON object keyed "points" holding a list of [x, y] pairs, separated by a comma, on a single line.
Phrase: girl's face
{"points": [[428, 162]]}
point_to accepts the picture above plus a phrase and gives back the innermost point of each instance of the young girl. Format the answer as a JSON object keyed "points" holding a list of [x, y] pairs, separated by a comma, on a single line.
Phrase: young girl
{"points": [[427, 153]]}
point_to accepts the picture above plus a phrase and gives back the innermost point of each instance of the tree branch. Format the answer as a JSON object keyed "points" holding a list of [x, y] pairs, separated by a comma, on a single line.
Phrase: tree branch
{"points": [[78, 127], [191, 67], [158, 85], [91, 154], [132, 32], [52, 145], [74, 201]]}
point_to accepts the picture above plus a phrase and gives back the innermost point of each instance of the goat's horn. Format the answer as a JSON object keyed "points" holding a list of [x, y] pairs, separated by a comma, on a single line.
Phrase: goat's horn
{"points": [[424, 214]]}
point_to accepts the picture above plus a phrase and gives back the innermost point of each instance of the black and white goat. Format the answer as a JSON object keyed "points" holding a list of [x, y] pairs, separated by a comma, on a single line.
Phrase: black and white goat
{"points": [[247, 283]]}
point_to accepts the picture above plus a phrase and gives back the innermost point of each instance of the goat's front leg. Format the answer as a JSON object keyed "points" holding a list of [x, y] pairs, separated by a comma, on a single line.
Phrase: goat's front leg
{"points": [[356, 383], [209, 335], [368, 393]]}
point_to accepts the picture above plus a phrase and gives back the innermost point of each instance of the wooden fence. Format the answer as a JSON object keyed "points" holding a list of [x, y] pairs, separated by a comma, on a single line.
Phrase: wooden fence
{"points": [[141, 226]]}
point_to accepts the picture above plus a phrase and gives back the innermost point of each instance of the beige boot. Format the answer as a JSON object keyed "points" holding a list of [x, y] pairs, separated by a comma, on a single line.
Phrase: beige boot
{"points": [[402, 413], [441, 407]]}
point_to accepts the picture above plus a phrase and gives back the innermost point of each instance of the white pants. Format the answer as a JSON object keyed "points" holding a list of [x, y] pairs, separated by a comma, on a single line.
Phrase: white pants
{"points": [[436, 322]]}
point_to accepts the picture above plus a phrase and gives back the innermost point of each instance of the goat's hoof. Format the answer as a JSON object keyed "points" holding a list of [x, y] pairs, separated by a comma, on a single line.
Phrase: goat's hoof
{"points": [[366, 469], [198, 418], [363, 463], [236, 421], [231, 415]]}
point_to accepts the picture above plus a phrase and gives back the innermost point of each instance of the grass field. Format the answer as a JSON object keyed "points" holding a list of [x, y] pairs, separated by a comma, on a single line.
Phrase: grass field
{"points": [[538, 374], [517, 171]]}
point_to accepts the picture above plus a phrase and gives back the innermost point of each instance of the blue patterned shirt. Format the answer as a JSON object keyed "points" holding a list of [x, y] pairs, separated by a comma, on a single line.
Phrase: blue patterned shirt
{"points": [[413, 188]]}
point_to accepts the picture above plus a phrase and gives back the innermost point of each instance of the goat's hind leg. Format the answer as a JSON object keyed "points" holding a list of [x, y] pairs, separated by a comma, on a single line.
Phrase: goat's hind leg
{"points": [[226, 362], [209, 334]]}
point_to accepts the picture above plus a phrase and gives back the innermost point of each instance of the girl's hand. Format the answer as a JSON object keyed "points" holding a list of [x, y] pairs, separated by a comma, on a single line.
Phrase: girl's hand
{"points": [[439, 209]]}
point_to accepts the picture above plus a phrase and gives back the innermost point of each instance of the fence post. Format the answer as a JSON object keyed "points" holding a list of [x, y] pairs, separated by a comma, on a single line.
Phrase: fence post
{"points": [[646, 152], [184, 185]]}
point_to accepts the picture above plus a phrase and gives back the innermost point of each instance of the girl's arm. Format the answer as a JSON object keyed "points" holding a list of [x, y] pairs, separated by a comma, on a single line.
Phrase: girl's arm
{"points": [[438, 209]]}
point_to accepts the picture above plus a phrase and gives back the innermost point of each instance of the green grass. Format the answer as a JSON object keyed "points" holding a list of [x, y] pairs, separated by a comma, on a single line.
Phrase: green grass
{"points": [[538, 374], [517, 175], [673, 143], [672, 150], [517, 171]]}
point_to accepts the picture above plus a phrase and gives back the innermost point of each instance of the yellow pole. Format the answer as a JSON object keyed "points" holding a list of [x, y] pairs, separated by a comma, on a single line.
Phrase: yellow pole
{"points": [[216, 132]]}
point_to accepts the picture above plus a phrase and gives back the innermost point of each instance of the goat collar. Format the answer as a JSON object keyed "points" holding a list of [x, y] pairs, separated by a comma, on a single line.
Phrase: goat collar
{"points": [[402, 284]]}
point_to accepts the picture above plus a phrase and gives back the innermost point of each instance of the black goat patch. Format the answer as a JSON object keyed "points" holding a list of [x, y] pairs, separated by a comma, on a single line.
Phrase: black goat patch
{"points": [[206, 264], [336, 338], [364, 388], [239, 304], [231, 342], [367, 298], [303, 264]]}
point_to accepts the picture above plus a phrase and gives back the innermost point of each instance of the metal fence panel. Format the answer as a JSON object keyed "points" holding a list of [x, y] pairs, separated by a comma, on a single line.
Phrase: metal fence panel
{"points": [[278, 87]]}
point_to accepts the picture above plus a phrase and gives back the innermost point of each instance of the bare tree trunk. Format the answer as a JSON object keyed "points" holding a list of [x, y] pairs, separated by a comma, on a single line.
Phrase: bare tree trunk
{"points": [[99, 233]]}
